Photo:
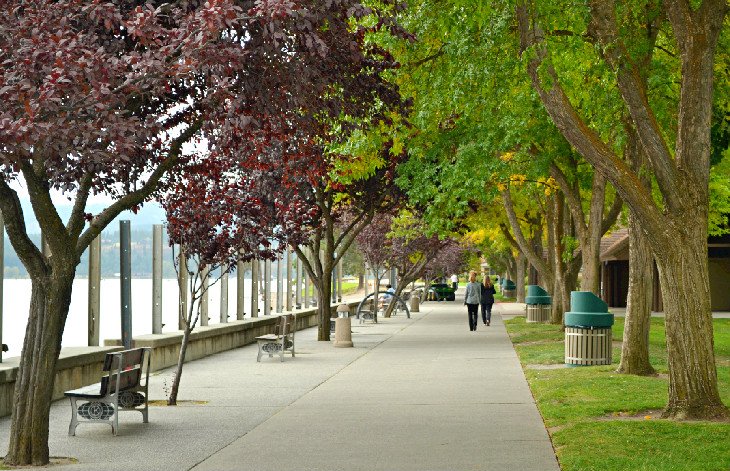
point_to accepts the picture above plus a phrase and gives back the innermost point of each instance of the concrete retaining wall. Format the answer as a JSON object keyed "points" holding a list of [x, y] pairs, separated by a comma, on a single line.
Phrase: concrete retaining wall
{"points": [[81, 366]]}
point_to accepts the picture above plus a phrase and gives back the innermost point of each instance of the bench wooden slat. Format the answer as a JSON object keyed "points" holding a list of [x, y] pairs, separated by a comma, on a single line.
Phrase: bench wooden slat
{"points": [[268, 337], [92, 390], [127, 380], [129, 359]]}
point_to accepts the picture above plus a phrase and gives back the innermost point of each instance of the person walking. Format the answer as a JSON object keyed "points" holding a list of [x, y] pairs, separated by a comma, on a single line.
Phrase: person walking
{"points": [[472, 298], [455, 282], [487, 299]]}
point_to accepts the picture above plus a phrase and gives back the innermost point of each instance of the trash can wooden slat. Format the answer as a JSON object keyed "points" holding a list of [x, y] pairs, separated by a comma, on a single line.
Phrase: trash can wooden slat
{"points": [[588, 346], [538, 313]]}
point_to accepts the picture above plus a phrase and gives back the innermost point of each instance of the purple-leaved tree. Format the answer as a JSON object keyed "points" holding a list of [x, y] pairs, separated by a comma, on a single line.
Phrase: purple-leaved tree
{"points": [[99, 98]]}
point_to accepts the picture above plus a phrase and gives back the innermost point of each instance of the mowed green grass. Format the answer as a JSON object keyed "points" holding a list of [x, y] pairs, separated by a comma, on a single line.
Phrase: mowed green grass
{"points": [[596, 417]]}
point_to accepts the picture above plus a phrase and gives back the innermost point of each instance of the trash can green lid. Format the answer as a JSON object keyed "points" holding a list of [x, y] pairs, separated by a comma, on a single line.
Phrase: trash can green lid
{"points": [[537, 295], [508, 284], [587, 310]]}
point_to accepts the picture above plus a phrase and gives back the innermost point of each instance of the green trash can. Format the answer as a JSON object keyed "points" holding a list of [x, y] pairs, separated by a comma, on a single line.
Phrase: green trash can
{"points": [[588, 335], [508, 288], [538, 304]]}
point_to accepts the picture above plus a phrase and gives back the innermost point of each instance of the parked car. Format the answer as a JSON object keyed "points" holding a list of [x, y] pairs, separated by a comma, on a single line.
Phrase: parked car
{"points": [[443, 291]]}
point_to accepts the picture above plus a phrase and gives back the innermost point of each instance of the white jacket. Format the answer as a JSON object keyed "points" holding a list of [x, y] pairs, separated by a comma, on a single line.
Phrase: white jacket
{"points": [[473, 293]]}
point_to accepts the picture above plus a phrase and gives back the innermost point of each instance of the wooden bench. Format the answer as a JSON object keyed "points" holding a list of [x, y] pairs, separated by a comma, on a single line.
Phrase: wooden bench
{"points": [[120, 389], [281, 341], [368, 311]]}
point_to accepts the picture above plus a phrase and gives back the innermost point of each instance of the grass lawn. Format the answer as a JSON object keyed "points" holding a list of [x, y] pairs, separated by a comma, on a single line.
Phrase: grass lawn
{"points": [[349, 287], [597, 418], [500, 298]]}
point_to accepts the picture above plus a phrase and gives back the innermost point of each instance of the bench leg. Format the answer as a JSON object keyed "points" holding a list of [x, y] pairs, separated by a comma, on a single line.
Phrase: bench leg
{"points": [[258, 357], [145, 417], [74, 418], [115, 419], [281, 352]]}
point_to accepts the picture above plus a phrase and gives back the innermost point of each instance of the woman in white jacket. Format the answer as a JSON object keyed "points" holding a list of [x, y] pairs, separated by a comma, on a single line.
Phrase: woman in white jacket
{"points": [[472, 299]]}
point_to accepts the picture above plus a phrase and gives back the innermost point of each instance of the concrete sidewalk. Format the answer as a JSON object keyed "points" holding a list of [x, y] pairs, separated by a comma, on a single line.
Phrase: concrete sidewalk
{"points": [[414, 394]]}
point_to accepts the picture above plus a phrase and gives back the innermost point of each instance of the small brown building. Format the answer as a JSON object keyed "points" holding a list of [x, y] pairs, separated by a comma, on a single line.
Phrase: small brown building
{"points": [[615, 271]]}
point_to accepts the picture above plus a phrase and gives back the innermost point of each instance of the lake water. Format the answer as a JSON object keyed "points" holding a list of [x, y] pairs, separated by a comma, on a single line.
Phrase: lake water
{"points": [[17, 302]]}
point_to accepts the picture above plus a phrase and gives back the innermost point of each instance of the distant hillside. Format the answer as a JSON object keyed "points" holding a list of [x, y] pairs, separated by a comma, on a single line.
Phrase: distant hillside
{"points": [[141, 223], [141, 256], [149, 214]]}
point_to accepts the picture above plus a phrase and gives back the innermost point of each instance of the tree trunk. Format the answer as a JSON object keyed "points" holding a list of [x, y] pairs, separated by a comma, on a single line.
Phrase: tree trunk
{"points": [[172, 400], [520, 281], [591, 269], [324, 292], [635, 348], [398, 291], [685, 286], [360, 281], [50, 299], [555, 255], [556, 308], [570, 282]]}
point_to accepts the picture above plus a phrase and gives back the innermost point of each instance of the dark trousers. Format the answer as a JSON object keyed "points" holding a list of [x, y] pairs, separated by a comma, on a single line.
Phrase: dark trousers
{"points": [[487, 312], [473, 310]]}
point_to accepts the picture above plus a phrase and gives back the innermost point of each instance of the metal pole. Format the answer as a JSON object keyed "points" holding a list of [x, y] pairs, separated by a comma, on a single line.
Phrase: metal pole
{"points": [[267, 287], [307, 280], [298, 299], [333, 285], [125, 268], [255, 288], [224, 297], [279, 284], [157, 279], [94, 299], [339, 281], [204, 296], [182, 282], [240, 287], [2, 279], [289, 265]]}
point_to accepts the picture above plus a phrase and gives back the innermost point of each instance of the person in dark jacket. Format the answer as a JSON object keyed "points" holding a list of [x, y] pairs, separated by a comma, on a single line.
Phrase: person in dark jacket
{"points": [[487, 299]]}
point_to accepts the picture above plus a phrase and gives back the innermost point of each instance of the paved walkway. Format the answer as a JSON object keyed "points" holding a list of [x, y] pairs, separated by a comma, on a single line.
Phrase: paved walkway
{"points": [[414, 394]]}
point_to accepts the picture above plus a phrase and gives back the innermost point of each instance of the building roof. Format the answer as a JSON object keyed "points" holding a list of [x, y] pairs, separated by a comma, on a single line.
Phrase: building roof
{"points": [[615, 246]]}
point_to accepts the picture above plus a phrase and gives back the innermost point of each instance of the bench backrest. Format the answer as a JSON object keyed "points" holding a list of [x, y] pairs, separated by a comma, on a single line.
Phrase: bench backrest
{"points": [[285, 325], [124, 370]]}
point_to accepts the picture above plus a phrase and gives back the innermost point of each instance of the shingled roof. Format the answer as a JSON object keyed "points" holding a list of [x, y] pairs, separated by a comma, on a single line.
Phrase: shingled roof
{"points": [[615, 246]]}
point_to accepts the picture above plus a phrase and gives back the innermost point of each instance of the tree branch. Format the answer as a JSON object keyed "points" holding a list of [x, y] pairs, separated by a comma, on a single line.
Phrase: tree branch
{"points": [[76, 221], [609, 218], [535, 260], [347, 242], [12, 213], [633, 91], [138, 196], [430, 57], [574, 129], [573, 198], [44, 209]]}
